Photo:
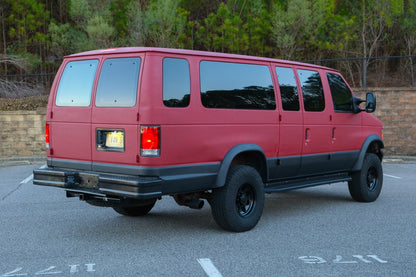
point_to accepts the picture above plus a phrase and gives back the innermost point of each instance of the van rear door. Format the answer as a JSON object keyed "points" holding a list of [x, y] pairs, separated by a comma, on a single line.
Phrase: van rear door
{"points": [[114, 128], [70, 119]]}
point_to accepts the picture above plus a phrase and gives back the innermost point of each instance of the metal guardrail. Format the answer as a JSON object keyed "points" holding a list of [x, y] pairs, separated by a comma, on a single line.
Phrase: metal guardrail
{"points": [[27, 75]]}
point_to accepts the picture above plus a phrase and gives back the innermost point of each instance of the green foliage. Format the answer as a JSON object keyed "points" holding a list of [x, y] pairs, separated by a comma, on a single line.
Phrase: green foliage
{"points": [[99, 32], [26, 25], [294, 25], [236, 29], [290, 29], [79, 12], [165, 23], [120, 18]]}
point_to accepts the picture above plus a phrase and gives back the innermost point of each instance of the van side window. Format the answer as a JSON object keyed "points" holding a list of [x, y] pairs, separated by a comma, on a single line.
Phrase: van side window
{"points": [[236, 86], [288, 88], [312, 90], [341, 93], [117, 86], [176, 83], [75, 86]]}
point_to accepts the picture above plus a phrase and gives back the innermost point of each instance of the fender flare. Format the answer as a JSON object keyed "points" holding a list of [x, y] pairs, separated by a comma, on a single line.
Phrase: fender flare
{"points": [[372, 138], [229, 157]]}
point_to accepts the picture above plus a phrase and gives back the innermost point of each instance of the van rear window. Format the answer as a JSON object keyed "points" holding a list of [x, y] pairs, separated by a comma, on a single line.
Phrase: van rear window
{"points": [[117, 86], [76, 83], [236, 86]]}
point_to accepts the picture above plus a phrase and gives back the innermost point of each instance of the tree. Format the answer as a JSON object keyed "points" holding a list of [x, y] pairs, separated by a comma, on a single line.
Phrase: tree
{"points": [[165, 23], [408, 30], [240, 27], [377, 16], [135, 25], [294, 24], [99, 32], [120, 18], [28, 20]]}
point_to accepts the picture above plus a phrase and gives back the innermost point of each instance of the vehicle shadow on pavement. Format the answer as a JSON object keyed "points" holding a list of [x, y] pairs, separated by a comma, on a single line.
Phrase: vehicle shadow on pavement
{"points": [[160, 222]]}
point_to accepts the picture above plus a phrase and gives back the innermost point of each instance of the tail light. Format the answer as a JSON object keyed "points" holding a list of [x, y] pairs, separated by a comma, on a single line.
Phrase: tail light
{"points": [[47, 135], [150, 141]]}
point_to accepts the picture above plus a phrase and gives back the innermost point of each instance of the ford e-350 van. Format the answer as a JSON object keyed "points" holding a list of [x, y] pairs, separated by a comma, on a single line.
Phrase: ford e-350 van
{"points": [[126, 126]]}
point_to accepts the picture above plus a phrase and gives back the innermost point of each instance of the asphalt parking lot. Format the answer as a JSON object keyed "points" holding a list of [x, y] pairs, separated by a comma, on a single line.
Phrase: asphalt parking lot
{"points": [[316, 231]]}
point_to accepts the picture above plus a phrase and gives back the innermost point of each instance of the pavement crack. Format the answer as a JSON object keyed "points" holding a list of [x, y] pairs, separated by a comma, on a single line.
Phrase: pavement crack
{"points": [[11, 192]]}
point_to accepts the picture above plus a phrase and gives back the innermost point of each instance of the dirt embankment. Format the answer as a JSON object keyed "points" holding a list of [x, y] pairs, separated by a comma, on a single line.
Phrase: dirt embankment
{"points": [[30, 103]]}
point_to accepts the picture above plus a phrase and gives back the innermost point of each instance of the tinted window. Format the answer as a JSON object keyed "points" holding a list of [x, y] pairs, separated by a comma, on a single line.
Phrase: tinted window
{"points": [[341, 94], [236, 86], [176, 83], [288, 88], [76, 83], [313, 93], [117, 86]]}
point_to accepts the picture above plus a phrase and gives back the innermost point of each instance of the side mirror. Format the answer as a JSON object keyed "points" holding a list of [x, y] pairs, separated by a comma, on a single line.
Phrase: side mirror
{"points": [[370, 105], [356, 104]]}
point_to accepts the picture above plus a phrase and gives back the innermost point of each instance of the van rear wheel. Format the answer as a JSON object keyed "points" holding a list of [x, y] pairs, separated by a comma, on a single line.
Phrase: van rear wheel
{"points": [[238, 205], [135, 210], [366, 184]]}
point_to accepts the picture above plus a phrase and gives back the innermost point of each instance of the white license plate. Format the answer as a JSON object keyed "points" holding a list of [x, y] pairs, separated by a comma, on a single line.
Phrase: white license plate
{"points": [[115, 140]]}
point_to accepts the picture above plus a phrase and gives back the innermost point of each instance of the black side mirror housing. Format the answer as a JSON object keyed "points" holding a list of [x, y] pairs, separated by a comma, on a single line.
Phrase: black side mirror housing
{"points": [[370, 105]]}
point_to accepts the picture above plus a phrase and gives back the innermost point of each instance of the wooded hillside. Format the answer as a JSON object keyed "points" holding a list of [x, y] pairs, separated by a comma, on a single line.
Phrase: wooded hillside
{"points": [[36, 34]]}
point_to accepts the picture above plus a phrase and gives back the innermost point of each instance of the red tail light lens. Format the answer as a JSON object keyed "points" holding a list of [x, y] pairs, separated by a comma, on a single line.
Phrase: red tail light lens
{"points": [[47, 135], [150, 141]]}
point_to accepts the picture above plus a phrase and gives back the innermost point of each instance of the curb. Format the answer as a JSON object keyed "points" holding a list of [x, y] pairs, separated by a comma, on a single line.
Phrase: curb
{"points": [[399, 159], [23, 161]]}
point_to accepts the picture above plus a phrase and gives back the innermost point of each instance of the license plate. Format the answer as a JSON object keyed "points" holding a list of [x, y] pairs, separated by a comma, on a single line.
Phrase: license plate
{"points": [[115, 140]]}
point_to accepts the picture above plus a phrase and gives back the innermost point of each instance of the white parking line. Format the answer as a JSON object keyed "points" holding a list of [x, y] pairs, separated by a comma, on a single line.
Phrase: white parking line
{"points": [[392, 176], [209, 268], [30, 178]]}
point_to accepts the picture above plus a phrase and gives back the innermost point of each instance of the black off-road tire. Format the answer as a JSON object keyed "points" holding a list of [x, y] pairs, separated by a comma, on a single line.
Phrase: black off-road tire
{"points": [[135, 210], [238, 205], [366, 184]]}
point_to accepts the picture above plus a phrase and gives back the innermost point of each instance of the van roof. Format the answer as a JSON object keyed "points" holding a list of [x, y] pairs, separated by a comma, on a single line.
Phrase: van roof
{"points": [[124, 50]]}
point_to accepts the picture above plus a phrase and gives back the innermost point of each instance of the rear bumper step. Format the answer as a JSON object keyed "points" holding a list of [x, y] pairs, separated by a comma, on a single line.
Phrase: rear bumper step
{"points": [[100, 184]]}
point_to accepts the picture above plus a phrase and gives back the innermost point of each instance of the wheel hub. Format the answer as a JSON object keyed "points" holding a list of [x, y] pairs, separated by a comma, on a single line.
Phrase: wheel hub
{"points": [[245, 200], [371, 179]]}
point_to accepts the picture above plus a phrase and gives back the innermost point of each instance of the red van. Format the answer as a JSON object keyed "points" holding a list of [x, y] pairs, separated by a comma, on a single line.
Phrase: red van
{"points": [[126, 126]]}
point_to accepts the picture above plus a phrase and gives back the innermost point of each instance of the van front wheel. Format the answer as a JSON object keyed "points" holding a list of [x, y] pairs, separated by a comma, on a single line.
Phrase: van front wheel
{"points": [[238, 205], [366, 184]]}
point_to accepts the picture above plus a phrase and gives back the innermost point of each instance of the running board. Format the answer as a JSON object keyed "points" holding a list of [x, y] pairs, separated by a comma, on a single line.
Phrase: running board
{"points": [[306, 182]]}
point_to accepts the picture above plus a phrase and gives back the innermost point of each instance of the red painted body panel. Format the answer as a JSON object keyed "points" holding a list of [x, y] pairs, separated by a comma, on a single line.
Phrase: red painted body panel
{"points": [[194, 134]]}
